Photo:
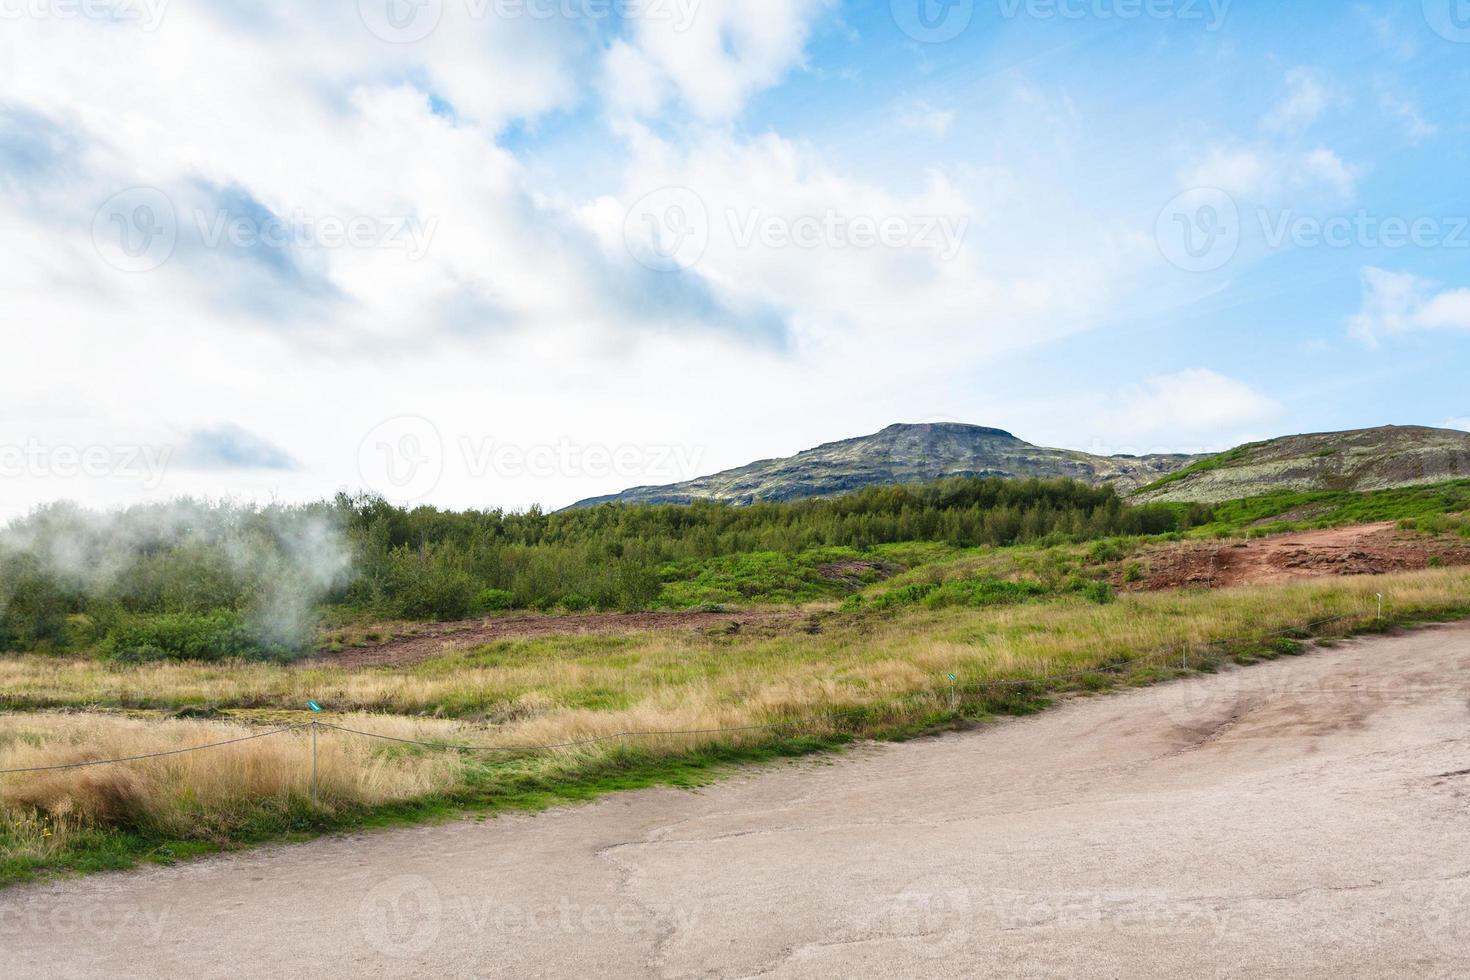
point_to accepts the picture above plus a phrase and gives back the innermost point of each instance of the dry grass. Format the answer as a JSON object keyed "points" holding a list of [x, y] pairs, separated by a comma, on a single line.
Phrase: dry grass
{"points": [[522, 686], [892, 671], [205, 794]]}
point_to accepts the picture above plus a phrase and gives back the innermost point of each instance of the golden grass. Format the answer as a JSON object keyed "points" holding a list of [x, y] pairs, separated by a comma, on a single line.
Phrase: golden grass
{"points": [[200, 794], [573, 689]]}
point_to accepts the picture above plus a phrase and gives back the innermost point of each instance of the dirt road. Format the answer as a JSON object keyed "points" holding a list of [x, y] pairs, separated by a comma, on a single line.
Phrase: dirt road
{"points": [[1304, 818]]}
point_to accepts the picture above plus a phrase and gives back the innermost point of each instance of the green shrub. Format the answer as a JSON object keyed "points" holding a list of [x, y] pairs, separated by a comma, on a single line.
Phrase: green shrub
{"points": [[495, 600], [904, 595], [963, 592], [222, 635], [1286, 646]]}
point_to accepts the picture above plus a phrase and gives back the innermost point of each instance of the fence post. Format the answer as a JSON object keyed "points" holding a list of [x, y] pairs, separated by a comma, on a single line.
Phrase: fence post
{"points": [[313, 763]]}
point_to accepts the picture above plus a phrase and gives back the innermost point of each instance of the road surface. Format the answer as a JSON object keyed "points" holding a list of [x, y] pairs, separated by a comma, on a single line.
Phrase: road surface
{"points": [[1304, 818]]}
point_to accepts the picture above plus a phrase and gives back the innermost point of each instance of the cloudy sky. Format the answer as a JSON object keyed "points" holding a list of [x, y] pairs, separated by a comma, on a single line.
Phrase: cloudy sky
{"points": [[499, 252]]}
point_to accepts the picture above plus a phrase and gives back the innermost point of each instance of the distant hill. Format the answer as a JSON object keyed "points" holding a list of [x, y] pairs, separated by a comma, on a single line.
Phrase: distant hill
{"points": [[1361, 459], [904, 454]]}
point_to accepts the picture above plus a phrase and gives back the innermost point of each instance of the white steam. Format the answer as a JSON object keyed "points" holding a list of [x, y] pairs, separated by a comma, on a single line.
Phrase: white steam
{"points": [[274, 564]]}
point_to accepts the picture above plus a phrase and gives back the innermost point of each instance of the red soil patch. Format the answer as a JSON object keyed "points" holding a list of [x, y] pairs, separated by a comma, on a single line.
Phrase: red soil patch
{"points": [[434, 639], [1366, 549]]}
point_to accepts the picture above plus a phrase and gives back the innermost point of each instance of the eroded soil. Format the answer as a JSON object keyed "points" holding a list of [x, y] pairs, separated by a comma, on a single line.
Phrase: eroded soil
{"points": [[1366, 549], [433, 639]]}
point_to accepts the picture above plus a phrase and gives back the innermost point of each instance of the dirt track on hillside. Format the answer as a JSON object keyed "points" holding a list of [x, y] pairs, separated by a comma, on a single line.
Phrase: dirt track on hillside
{"points": [[1303, 818], [1366, 549]]}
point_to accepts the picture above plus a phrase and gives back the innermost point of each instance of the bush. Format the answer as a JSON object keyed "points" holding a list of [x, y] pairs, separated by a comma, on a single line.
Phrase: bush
{"points": [[222, 635], [983, 592], [423, 588], [495, 600], [1099, 592]]}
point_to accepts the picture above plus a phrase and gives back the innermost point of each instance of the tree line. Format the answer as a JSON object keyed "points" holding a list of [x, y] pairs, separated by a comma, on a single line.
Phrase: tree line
{"points": [[232, 574]]}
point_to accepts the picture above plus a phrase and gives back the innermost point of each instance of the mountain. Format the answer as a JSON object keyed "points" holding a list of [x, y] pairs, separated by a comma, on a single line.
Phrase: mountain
{"points": [[1361, 459], [903, 454]]}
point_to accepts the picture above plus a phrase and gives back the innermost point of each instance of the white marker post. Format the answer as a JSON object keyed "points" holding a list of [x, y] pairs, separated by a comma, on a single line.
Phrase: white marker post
{"points": [[1380, 607]]}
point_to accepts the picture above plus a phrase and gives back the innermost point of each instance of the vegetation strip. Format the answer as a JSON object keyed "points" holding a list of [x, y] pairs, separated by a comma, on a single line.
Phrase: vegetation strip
{"points": [[1018, 657]]}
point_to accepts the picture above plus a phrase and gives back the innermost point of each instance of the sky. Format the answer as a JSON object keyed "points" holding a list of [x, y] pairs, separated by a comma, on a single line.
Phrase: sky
{"points": [[497, 253]]}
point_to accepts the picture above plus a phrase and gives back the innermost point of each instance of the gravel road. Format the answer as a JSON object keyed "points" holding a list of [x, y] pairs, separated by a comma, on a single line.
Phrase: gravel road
{"points": [[1304, 818]]}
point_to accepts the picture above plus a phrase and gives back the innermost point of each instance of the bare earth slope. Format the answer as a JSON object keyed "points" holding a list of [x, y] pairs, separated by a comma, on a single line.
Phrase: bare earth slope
{"points": [[904, 454], [1363, 459], [1361, 549], [1304, 818]]}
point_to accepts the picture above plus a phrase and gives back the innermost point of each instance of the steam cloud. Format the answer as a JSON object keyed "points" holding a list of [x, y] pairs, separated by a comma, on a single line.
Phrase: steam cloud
{"points": [[274, 564]]}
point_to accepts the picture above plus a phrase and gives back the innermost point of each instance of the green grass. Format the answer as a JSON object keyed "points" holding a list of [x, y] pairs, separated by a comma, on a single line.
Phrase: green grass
{"points": [[1215, 462], [769, 577], [1332, 508]]}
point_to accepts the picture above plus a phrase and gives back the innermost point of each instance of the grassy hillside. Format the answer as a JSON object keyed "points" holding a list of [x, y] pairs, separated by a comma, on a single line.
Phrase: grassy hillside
{"points": [[1361, 460]]}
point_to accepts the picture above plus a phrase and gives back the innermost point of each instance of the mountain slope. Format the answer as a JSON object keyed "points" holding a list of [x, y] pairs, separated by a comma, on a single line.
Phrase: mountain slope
{"points": [[1360, 459], [903, 454]]}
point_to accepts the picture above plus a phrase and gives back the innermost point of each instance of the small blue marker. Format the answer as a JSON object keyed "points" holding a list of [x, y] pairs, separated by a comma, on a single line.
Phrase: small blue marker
{"points": [[313, 706]]}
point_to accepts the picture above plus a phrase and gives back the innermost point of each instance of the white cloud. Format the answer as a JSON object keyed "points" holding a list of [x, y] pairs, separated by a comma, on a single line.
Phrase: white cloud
{"points": [[1194, 404], [1237, 171], [983, 264], [1409, 115], [1401, 302], [1306, 99], [1328, 168], [713, 57], [1268, 173], [921, 116], [1281, 164], [1461, 422]]}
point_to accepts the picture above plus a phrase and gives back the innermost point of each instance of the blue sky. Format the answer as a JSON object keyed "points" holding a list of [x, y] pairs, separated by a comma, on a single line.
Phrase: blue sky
{"points": [[475, 256]]}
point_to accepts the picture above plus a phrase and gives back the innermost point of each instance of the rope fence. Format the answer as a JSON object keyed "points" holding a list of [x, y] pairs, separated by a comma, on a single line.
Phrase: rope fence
{"points": [[809, 721]]}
